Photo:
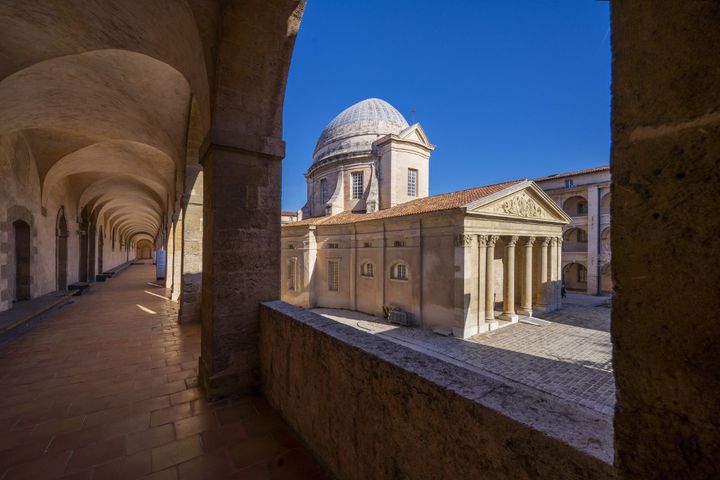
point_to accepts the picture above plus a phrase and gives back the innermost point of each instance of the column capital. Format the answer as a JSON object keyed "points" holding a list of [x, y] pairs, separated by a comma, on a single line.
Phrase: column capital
{"points": [[553, 241], [482, 240], [492, 240], [463, 240], [512, 241], [545, 241], [529, 241], [559, 241]]}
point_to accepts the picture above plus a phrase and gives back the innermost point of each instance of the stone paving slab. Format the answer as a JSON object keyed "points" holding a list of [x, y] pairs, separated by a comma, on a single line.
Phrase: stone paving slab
{"points": [[570, 358], [107, 388]]}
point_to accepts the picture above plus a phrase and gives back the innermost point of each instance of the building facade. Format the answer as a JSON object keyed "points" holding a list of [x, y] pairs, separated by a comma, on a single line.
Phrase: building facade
{"points": [[584, 195], [466, 262]]}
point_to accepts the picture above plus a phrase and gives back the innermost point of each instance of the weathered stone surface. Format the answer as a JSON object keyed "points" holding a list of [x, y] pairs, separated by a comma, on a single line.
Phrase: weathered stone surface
{"points": [[372, 409], [666, 246]]}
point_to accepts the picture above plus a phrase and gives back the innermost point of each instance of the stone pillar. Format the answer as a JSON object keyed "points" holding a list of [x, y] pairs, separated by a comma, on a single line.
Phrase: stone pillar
{"points": [[593, 253], [190, 299], [541, 292], [466, 320], [309, 263], [241, 263], [526, 296], [509, 281], [177, 260], [169, 255], [490, 279]]}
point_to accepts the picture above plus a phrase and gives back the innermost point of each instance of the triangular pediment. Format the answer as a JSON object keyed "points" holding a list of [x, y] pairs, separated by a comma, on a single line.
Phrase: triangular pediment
{"points": [[525, 200], [415, 133]]}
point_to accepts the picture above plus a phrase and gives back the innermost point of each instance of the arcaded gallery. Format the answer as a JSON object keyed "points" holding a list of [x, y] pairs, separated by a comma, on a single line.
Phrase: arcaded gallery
{"points": [[133, 131]]}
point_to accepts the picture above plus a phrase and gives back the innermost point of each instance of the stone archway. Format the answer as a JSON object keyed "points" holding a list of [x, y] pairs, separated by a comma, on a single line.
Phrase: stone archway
{"points": [[575, 276], [61, 250], [21, 235]]}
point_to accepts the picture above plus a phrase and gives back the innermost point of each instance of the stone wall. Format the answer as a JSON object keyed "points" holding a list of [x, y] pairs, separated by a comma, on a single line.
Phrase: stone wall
{"points": [[665, 238], [370, 408]]}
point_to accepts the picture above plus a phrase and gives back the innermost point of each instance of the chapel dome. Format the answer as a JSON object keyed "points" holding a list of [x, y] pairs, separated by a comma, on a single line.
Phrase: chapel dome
{"points": [[357, 127]]}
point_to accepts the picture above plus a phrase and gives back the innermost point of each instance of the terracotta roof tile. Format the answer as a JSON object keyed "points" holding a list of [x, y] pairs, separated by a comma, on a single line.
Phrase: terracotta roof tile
{"points": [[576, 172], [435, 203]]}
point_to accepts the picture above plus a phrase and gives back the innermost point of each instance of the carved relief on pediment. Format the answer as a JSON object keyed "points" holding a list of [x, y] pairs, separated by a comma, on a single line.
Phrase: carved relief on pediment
{"points": [[520, 205]]}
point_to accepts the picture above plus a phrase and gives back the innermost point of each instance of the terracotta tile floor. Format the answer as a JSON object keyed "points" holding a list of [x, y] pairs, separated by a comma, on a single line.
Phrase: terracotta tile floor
{"points": [[106, 389]]}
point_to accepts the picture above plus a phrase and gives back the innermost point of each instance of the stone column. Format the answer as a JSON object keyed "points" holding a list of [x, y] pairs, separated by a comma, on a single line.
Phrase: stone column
{"points": [[169, 255], [177, 259], [541, 294], [490, 279], [241, 263], [509, 281], [481, 280], [526, 293], [553, 289], [190, 299]]}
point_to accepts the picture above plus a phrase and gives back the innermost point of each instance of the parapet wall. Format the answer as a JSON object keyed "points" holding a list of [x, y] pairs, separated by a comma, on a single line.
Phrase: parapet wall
{"points": [[370, 408]]}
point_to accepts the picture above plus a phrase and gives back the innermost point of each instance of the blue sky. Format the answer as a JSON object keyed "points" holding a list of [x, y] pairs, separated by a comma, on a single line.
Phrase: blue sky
{"points": [[505, 90]]}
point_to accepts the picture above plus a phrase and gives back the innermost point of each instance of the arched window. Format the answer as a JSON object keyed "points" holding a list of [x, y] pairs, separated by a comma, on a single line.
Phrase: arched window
{"points": [[581, 274], [399, 271], [582, 235], [366, 270]]}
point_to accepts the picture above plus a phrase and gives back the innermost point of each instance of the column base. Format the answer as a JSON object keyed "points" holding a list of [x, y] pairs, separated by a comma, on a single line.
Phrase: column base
{"points": [[525, 311], [509, 317]]}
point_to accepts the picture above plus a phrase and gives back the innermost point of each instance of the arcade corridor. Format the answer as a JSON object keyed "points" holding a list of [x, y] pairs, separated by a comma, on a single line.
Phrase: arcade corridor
{"points": [[106, 388]]}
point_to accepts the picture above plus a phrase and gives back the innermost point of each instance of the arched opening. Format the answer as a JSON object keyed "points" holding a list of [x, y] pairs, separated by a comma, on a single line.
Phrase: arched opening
{"points": [[575, 240], [143, 250], [605, 204], [92, 250], [606, 283], [21, 235], [61, 250], [605, 242], [576, 206], [575, 277]]}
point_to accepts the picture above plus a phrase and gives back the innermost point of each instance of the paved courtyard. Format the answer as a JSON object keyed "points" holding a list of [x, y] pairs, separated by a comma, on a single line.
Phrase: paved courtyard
{"points": [[571, 357], [106, 388]]}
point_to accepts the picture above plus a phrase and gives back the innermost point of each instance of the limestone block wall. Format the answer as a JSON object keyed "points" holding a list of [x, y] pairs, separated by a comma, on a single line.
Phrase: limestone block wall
{"points": [[370, 408], [666, 247]]}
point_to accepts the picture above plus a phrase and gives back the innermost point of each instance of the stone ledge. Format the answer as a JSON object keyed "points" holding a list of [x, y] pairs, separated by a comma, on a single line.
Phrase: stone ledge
{"points": [[339, 387]]}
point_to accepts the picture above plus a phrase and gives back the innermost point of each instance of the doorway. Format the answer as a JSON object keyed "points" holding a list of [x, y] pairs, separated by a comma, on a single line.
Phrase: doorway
{"points": [[22, 260]]}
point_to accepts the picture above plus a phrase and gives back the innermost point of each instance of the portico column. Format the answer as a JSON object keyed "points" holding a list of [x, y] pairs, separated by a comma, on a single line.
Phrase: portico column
{"points": [[554, 283], [509, 281], [541, 296], [490, 279], [482, 266], [526, 293]]}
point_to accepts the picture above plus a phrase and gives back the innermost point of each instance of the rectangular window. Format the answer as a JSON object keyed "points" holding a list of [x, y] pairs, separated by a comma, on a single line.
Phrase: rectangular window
{"points": [[582, 208], [399, 243], [291, 274], [412, 182], [323, 190], [333, 275], [569, 183], [582, 274], [333, 245], [357, 184]]}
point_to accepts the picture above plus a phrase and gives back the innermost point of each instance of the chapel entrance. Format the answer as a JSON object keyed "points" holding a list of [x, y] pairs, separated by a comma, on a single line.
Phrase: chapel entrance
{"points": [[21, 232]]}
